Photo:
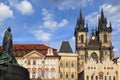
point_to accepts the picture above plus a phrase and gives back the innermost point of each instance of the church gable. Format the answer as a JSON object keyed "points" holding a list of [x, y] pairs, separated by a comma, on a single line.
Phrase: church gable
{"points": [[34, 54]]}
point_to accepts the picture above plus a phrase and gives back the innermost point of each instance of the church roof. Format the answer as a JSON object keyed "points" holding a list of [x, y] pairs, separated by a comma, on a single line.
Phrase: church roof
{"points": [[93, 43], [22, 49], [65, 47]]}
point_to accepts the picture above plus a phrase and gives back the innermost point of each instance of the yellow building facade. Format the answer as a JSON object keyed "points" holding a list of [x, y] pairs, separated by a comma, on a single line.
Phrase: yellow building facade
{"points": [[68, 63]]}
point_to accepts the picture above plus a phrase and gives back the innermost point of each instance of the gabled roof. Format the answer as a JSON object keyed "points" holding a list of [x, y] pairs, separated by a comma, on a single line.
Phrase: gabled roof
{"points": [[65, 47]]}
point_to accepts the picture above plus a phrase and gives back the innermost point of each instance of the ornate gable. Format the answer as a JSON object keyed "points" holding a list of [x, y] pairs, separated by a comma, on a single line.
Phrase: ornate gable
{"points": [[34, 54]]}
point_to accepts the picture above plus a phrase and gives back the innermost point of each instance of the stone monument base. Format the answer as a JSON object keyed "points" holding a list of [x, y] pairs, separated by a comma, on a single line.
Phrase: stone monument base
{"points": [[14, 72]]}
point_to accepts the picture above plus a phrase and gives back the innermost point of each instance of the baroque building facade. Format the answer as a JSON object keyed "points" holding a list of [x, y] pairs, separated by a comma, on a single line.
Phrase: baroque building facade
{"points": [[68, 62], [98, 48], [41, 61]]}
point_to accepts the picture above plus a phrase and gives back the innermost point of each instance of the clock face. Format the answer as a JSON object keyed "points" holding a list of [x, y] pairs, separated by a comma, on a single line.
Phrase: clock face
{"points": [[93, 37]]}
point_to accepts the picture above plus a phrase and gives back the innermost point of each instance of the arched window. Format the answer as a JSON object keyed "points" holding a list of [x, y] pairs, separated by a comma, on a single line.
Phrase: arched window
{"points": [[29, 62], [94, 56], [82, 39], [72, 75], [67, 75], [34, 62], [72, 64], [66, 63], [105, 38]]}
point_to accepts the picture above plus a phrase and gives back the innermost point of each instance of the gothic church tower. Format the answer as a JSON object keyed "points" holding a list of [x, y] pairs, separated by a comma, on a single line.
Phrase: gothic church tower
{"points": [[81, 40], [98, 46]]}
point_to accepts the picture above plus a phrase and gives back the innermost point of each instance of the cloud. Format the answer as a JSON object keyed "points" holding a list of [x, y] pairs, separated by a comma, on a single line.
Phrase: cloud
{"points": [[112, 13], [25, 7], [92, 18], [41, 35], [5, 12], [50, 22], [49, 26], [71, 4]]}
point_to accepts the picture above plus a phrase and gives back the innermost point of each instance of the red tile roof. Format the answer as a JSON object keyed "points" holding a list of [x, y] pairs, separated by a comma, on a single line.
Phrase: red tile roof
{"points": [[22, 49]]}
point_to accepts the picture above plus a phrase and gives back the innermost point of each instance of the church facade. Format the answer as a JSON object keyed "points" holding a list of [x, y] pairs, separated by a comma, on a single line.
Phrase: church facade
{"points": [[94, 52]]}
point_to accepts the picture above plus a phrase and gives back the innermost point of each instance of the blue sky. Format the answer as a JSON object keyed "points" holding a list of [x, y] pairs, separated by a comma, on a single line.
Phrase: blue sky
{"points": [[53, 21]]}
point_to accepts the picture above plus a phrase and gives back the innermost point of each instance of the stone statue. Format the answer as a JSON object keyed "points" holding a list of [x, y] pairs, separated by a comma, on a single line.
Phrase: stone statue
{"points": [[9, 68], [6, 56], [7, 42]]}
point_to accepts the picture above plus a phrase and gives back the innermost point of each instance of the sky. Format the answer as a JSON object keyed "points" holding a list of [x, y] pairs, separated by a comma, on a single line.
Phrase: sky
{"points": [[53, 21]]}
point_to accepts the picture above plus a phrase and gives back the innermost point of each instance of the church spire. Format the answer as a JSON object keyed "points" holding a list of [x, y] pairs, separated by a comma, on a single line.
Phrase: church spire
{"points": [[102, 23], [80, 21], [102, 13], [80, 24]]}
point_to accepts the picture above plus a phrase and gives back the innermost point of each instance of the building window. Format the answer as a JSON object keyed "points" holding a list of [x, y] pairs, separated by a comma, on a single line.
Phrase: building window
{"points": [[82, 39], [91, 67], [53, 74], [21, 62], [39, 62], [114, 78], [53, 62], [94, 56], [33, 75], [87, 77], [104, 67], [29, 63], [66, 63], [96, 77], [67, 75], [46, 62], [82, 56], [72, 64], [72, 75], [94, 67], [105, 38], [91, 77], [61, 75], [46, 74], [105, 77], [39, 74], [109, 77], [34, 62]]}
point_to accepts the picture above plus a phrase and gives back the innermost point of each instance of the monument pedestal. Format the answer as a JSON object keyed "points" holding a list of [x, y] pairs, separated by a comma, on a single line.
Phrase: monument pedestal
{"points": [[14, 72]]}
